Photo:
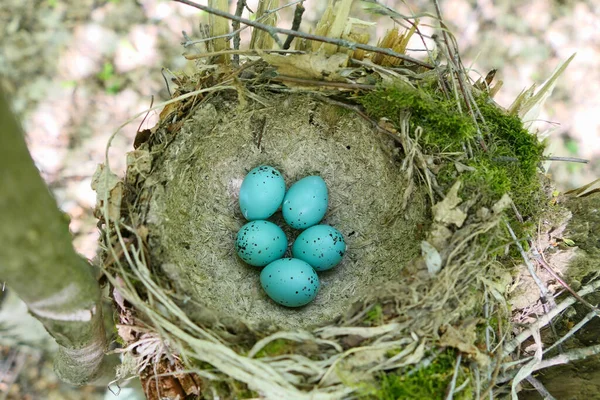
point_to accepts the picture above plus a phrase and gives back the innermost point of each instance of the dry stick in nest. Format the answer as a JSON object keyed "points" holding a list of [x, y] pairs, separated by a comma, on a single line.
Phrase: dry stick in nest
{"points": [[273, 31], [235, 25], [295, 24], [564, 358], [249, 51], [206, 37], [539, 257]]}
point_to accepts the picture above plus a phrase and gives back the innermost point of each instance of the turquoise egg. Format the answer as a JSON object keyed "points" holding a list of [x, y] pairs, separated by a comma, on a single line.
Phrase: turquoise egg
{"points": [[305, 203], [290, 282], [261, 193], [260, 242], [321, 246]]}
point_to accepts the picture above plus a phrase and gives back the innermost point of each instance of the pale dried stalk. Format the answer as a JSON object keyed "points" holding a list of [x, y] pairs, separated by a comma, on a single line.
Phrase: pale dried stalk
{"points": [[219, 26], [341, 12], [261, 39]]}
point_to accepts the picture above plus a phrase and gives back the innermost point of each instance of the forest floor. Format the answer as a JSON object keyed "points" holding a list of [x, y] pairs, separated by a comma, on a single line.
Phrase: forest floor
{"points": [[76, 70]]}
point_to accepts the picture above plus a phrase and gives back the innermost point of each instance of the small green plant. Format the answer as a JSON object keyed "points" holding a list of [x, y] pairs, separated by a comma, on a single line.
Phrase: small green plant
{"points": [[112, 83], [375, 315], [430, 382], [275, 348]]}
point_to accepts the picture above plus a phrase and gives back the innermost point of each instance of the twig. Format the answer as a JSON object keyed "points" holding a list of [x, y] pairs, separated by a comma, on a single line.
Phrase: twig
{"points": [[574, 329], [545, 319], [450, 395], [272, 30], [207, 37], [490, 388], [162, 72], [540, 388], [540, 259], [565, 358], [235, 25], [295, 24], [567, 159], [249, 51], [571, 355]]}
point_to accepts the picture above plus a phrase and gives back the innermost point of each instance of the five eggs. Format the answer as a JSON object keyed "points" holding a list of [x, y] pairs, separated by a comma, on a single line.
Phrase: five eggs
{"points": [[291, 282]]}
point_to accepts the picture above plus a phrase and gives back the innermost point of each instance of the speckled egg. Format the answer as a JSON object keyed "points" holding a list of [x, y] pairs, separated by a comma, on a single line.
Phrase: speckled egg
{"points": [[261, 193], [321, 246], [260, 242], [305, 203], [290, 282]]}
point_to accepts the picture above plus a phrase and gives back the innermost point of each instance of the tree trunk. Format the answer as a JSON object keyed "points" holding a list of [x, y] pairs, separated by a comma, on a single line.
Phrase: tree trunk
{"points": [[38, 262]]}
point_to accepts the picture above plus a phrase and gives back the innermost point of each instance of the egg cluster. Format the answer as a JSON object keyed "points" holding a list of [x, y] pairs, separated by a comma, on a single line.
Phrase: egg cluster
{"points": [[291, 281]]}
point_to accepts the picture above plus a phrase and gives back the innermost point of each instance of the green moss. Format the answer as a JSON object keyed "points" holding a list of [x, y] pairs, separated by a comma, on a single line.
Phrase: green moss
{"points": [[430, 382], [276, 348], [507, 164], [374, 316], [444, 129]]}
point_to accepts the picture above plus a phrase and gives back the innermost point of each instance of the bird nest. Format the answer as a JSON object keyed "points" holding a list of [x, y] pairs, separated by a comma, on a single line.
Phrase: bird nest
{"points": [[430, 183]]}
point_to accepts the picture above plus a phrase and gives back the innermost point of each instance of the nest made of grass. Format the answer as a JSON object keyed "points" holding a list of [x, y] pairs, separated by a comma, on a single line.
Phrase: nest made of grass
{"points": [[433, 287]]}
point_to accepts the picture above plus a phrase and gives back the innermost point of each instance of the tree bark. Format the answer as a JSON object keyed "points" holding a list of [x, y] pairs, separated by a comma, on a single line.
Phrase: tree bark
{"points": [[38, 262]]}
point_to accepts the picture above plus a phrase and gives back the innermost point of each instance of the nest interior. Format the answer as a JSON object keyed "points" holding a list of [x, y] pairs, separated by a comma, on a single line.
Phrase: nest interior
{"points": [[194, 214]]}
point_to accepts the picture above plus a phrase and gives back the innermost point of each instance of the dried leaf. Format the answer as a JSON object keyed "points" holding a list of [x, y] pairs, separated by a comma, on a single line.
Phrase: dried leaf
{"points": [[463, 339], [446, 212], [460, 167], [502, 204], [139, 162], [309, 66], [107, 186], [432, 258]]}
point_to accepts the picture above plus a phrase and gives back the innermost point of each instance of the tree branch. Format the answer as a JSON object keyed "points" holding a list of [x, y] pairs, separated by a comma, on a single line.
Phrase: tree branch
{"points": [[273, 31], [38, 262]]}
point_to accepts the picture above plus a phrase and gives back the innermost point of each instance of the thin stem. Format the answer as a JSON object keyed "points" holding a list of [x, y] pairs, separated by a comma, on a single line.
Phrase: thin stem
{"points": [[249, 51], [454, 377], [235, 25], [295, 24], [574, 329], [567, 159]]}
